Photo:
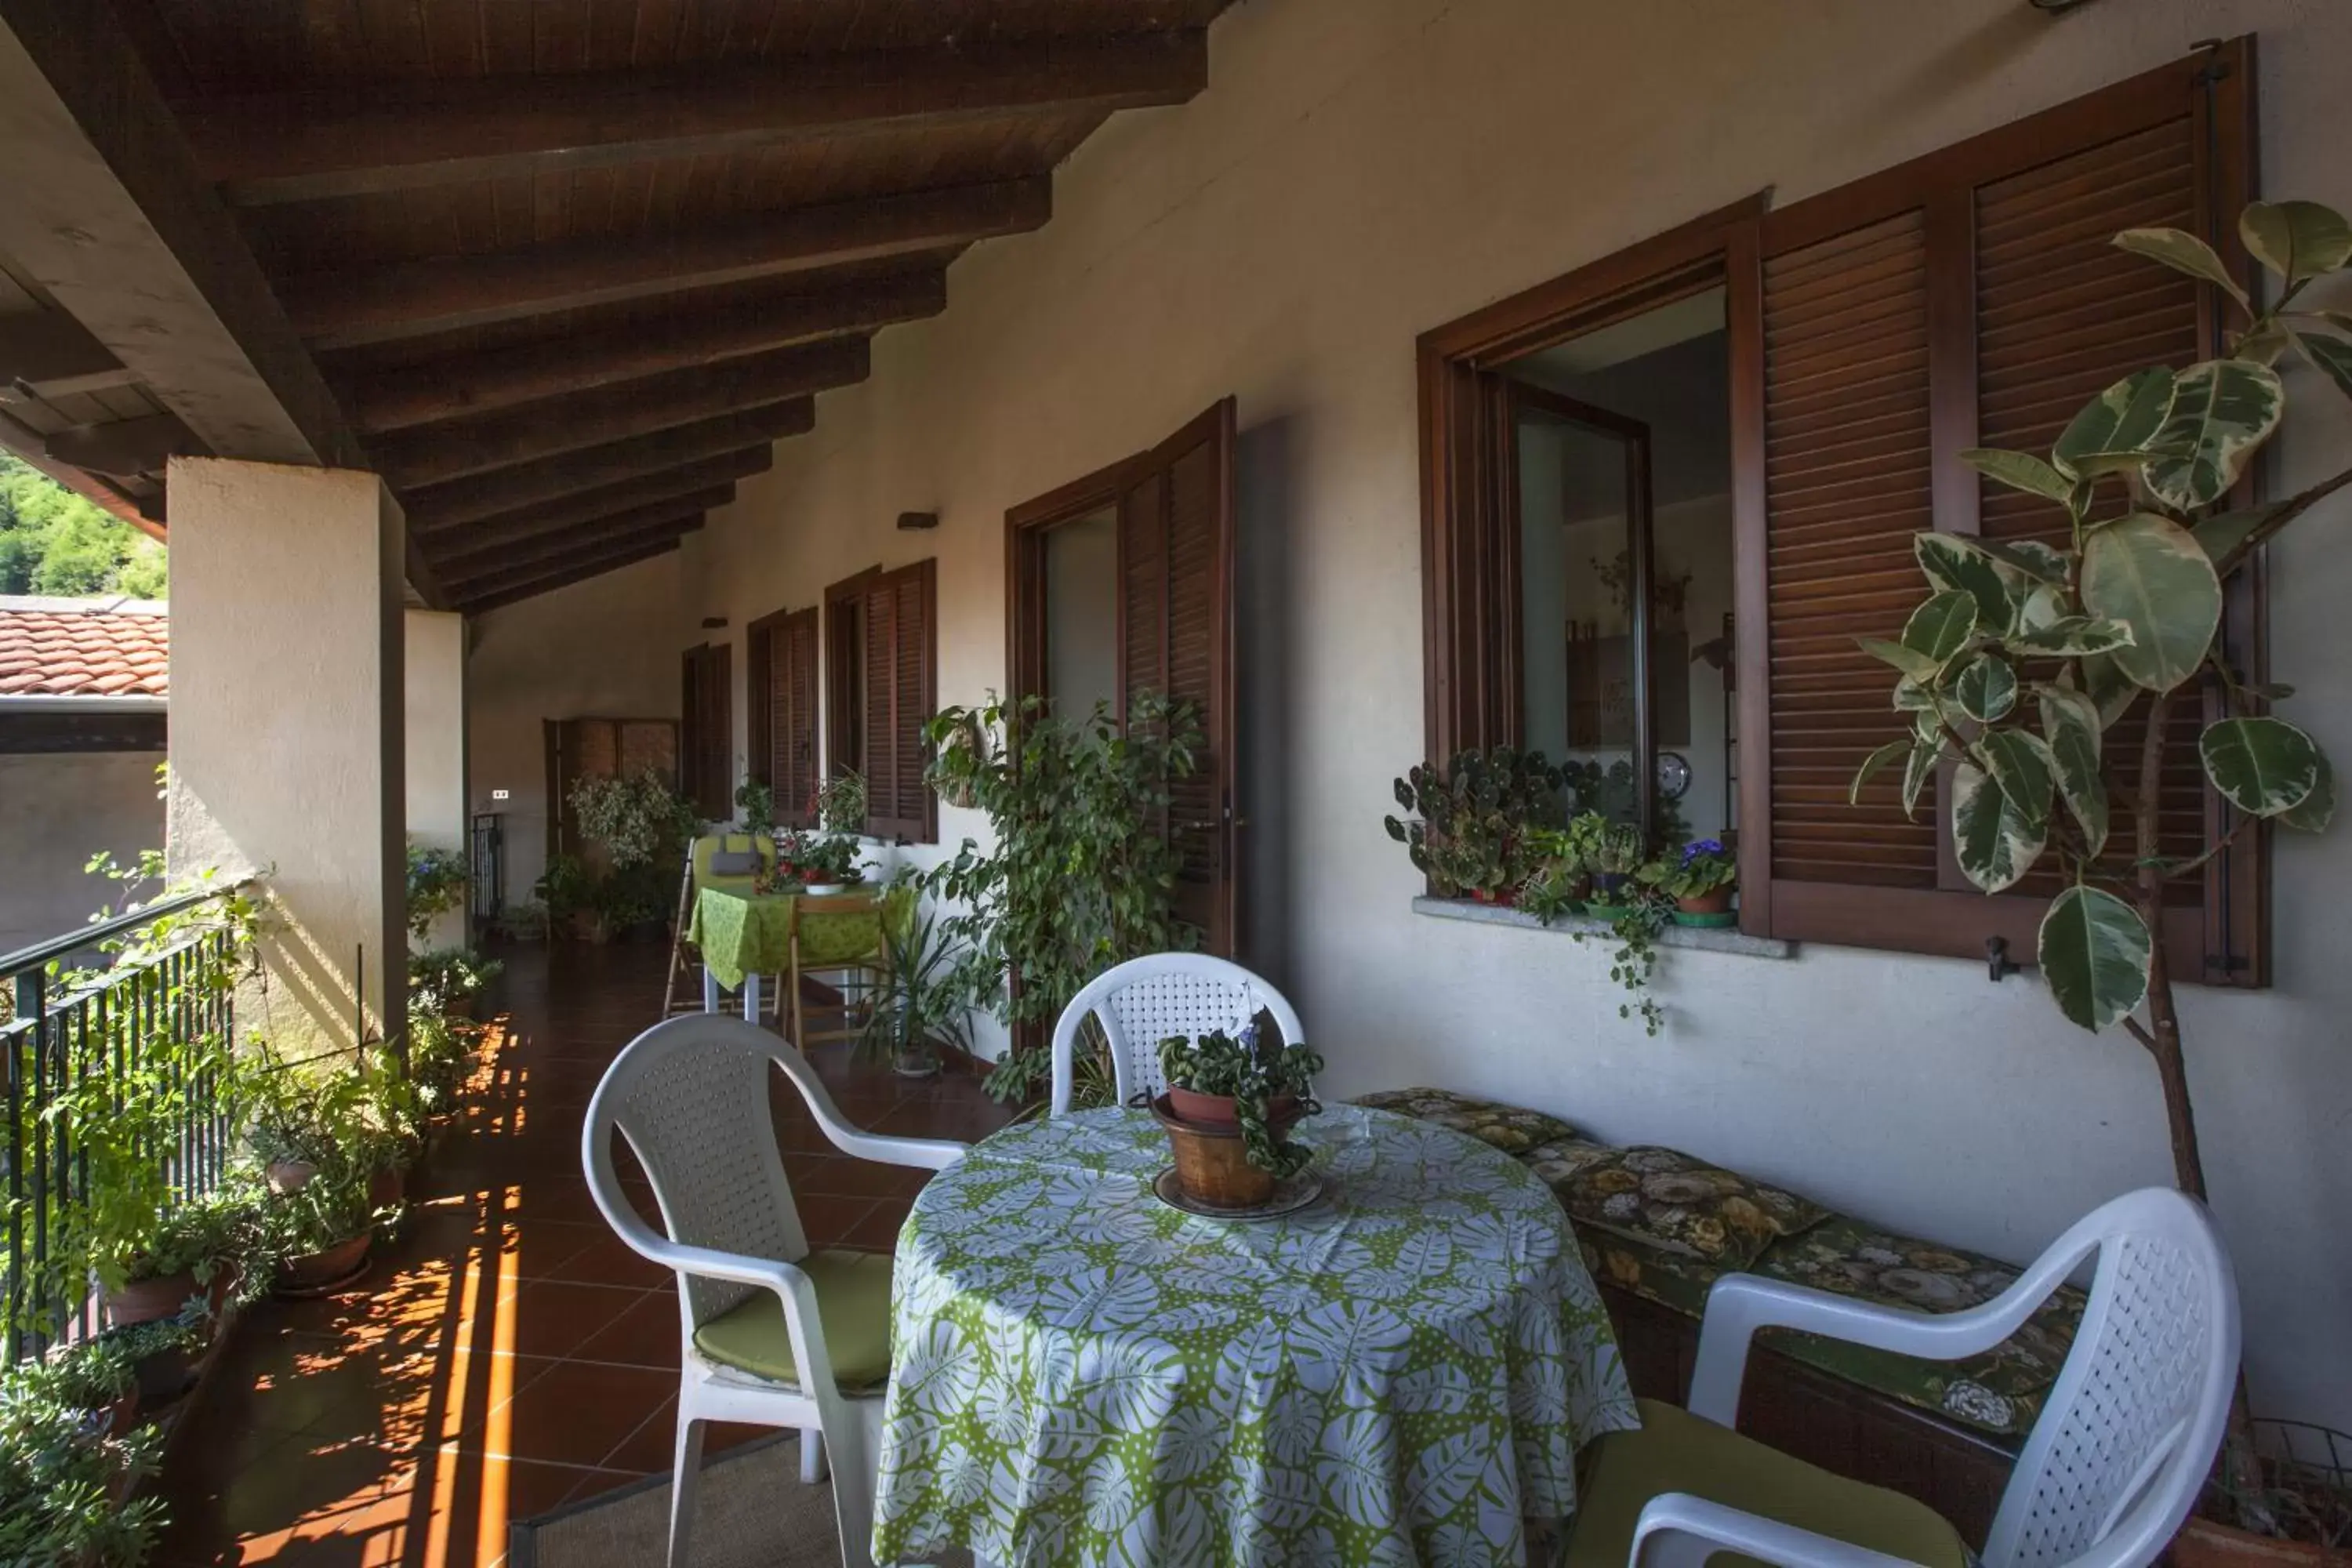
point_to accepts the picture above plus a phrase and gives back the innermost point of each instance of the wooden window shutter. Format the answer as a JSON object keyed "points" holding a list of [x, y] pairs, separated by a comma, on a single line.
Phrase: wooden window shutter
{"points": [[781, 684], [900, 679], [1971, 298]]}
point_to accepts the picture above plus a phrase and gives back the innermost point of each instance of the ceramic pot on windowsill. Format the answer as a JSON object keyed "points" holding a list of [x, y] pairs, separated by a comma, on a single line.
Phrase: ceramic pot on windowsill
{"points": [[1710, 909]]}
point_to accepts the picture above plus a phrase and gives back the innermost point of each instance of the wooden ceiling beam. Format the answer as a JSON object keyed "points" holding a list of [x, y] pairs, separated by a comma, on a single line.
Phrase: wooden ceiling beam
{"points": [[585, 506], [763, 317], [491, 596], [437, 507], [120, 448], [49, 354], [644, 528], [460, 555], [436, 454], [363, 139], [345, 307]]}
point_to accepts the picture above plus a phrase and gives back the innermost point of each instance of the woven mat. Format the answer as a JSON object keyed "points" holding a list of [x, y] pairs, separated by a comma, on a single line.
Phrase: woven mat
{"points": [[751, 1511]]}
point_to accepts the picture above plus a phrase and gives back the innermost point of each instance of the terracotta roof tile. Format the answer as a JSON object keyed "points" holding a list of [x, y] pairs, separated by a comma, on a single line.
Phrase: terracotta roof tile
{"points": [[84, 648]]}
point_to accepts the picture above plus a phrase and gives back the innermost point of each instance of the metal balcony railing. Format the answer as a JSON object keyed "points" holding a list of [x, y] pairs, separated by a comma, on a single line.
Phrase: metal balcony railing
{"points": [[70, 1026]]}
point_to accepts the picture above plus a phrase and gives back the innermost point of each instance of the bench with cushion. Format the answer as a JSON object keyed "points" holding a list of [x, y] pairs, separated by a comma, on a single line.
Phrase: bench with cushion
{"points": [[1659, 1227]]}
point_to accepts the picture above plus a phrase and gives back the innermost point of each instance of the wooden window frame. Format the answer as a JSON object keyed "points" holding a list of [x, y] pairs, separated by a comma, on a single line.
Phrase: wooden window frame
{"points": [[1472, 693], [1026, 528], [846, 675]]}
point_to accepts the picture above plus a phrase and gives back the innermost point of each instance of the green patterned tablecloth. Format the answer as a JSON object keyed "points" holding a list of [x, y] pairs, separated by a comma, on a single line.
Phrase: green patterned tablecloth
{"points": [[1402, 1374], [751, 933]]}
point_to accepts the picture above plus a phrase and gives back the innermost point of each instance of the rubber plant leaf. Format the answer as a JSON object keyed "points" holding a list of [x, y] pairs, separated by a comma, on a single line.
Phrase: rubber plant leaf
{"points": [[2123, 418], [2073, 636], [2220, 535], [2182, 253], [2110, 688], [2095, 954], [2222, 411], [1995, 842], [1919, 770], [2021, 765], [2020, 471], [2316, 810], [2262, 766], [1941, 627], [2043, 563], [2071, 727], [1915, 664], [2296, 240], [1986, 689], [1954, 565], [2332, 355], [1882, 757], [2149, 573]]}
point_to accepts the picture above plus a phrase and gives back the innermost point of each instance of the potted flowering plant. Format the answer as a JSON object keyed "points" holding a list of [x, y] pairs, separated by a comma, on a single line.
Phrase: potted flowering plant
{"points": [[1230, 1105], [1699, 878], [1476, 831]]}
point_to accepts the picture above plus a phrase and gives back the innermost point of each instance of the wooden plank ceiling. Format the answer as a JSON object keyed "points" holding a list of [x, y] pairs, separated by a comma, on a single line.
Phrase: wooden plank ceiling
{"points": [[570, 267]]}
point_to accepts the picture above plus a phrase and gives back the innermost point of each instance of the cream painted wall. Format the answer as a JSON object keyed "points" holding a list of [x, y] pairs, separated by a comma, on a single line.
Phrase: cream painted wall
{"points": [[1359, 171], [434, 704], [286, 733], [606, 646], [56, 810]]}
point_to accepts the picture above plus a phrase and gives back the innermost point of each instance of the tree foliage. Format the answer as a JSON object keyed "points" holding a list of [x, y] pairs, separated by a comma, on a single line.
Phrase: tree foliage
{"points": [[54, 542]]}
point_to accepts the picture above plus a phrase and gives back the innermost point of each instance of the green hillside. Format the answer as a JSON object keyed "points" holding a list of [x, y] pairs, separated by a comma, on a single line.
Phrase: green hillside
{"points": [[55, 542]]}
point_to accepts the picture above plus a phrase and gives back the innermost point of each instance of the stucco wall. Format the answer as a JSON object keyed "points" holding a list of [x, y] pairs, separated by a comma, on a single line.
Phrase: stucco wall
{"points": [[56, 812], [433, 698], [608, 646], [1359, 172]]}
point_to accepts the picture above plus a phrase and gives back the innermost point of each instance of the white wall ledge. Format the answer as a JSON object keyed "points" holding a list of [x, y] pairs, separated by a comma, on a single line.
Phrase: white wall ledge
{"points": [[1703, 938]]}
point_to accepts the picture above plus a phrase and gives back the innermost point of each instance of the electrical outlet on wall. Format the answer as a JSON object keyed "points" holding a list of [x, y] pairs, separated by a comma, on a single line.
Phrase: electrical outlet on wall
{"points": [[500, 794]]}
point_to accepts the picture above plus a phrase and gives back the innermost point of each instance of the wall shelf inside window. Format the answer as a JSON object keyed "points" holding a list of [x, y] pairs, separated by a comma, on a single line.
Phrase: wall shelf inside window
{"points": [[1700, 938]]}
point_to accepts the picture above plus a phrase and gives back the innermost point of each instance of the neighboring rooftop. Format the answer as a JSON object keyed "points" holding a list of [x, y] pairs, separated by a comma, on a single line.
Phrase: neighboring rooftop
{"points": [[84, 648]]}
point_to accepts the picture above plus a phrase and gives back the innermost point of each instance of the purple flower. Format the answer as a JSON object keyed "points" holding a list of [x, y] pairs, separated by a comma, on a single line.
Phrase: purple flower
{"points": [[1702, 847]]}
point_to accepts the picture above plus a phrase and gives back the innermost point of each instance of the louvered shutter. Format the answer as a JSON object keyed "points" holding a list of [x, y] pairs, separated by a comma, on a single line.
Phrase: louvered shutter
{"points": [[792, 722], [900, 677], [1972, 298], [1176, 549]]}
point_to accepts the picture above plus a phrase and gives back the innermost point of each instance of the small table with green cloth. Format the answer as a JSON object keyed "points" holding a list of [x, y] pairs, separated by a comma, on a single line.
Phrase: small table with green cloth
{"points": [[1401, 1372], [744, 935]]}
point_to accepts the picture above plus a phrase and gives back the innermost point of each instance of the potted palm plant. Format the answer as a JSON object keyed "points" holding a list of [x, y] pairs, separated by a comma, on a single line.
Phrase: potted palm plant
{"points": [[916, 1006], [1230, 1106], [2022, 662]]}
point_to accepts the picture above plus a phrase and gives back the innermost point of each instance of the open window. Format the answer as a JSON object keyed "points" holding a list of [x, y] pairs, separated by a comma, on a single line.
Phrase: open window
{"points": [[1870, 334]]}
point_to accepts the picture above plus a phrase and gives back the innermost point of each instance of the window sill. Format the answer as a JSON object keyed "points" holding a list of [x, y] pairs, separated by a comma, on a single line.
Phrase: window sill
{"points": [[1701, 938]]}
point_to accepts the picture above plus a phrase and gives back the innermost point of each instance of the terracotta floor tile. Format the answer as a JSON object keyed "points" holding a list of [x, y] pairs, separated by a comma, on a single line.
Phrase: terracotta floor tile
{"points": [[827, 1221], [647, 1334], [652, 1447], [605, 1260], [878, 1231], [577, 1412], [551, 1317]]}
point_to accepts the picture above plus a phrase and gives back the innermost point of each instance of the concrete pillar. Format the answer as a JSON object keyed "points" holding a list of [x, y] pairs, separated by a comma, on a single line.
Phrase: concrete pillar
{"points": [[435, 700], [288, 729]]}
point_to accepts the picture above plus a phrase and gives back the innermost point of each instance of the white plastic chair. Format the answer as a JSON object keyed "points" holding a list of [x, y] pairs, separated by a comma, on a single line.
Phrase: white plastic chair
{"points": [[2121, 1449], [1142, 1002], [691, 1097]]}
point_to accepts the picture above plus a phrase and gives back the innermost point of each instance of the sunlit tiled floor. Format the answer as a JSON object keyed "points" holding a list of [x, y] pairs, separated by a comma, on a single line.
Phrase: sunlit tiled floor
{"points": [[506, 1353]]}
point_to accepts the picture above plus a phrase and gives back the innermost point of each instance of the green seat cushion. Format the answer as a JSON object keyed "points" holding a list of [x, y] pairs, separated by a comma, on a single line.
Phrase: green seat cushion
{"points": [[853, 1304], [1672, 1200], [1676, 1451], [1512, 1129]]}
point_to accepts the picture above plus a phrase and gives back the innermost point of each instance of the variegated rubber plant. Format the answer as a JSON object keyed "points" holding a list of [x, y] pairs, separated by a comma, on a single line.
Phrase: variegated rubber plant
{"points": [[2026, 657]]}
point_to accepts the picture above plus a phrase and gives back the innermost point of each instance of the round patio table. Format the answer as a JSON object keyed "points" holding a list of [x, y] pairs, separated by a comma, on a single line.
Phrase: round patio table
{"points": [[1402, 1372]]}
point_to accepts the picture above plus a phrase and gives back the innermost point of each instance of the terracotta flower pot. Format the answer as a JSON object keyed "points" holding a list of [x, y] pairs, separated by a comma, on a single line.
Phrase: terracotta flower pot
{"points": [[1714, 903], [312, 1273], [148, 1300], [387, 1185], [2203, 1543], [1211, 1158], [1217, 1110]]}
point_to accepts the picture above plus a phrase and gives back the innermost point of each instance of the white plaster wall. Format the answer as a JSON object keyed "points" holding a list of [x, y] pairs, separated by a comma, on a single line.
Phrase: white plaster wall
{"points": [[1359, 171], [287, 733], [433, 698], [56, 810], [605, 647]]}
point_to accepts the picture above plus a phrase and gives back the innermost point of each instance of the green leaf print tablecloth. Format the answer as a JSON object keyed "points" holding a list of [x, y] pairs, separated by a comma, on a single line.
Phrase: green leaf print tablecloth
{"points": [[751, 933], [1401, 1374]]}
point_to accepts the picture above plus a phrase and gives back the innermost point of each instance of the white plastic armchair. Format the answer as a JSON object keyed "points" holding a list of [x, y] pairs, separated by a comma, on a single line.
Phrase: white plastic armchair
{"points": [[691, 1098], [1145, 1000], [2122, 1446]]}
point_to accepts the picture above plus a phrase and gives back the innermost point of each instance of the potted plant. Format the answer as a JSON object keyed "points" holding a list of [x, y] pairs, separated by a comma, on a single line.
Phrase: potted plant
{"points": [[192, 1254], [1476, 817], [1699, 878], [448, 979], [569, 890], [916, 1007], [755, 808], [158, 1359], [436, 884], [838, 804], [641, 827], [316, 1236], [2026, 657], [1616, 853], [1230, 1106], [64, 1472]]}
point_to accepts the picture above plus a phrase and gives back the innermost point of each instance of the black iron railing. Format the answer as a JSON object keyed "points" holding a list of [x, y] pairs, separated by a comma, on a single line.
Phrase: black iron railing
{"points": [[74, 1031]]}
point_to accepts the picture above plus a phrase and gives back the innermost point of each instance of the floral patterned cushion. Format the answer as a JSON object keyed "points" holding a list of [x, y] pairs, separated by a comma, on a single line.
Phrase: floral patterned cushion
{"points": [[1510, 1128], [1673, 1202]]}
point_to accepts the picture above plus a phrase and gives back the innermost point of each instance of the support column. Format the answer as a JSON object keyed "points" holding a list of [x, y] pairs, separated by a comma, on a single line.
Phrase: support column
{"points": [[435, 700], [287, 745]]}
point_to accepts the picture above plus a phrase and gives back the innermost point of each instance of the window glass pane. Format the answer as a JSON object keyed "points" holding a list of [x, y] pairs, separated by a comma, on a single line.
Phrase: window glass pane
{"points": [[1082, 614]]}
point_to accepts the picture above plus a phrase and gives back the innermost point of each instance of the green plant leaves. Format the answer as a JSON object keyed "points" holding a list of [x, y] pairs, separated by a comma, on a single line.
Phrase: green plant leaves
{"points": [[2332, 355], [2110, 688], [2020, 471], [2149, 573], [2182, 253], [1882, 757], [2095, 954], [2316, 810], [1915, 664], [2123, 418], [2072, 636], [2071, 727], [2220, 535], [1995, 841], [1986, 689], [2021, 765], [1940, 627], [2296, 240], [2222, 411], [1954, 565], [1919, 770], [2043, 563], [2262, 766]]}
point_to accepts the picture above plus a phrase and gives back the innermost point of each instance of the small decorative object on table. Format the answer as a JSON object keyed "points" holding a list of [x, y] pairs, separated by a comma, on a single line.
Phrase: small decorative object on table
{"points": [[1699, 879], [1230, 1105]]}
